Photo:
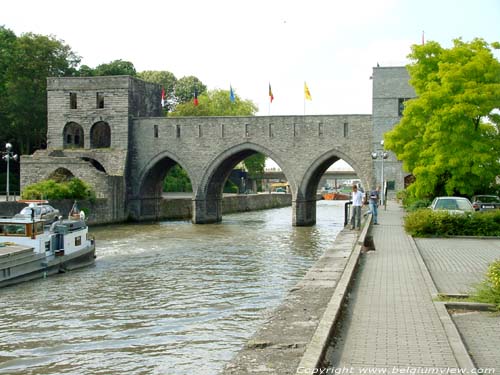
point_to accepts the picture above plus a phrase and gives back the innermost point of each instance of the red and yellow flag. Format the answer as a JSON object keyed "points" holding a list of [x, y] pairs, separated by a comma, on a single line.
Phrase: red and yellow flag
{"points": [[271, 96]]}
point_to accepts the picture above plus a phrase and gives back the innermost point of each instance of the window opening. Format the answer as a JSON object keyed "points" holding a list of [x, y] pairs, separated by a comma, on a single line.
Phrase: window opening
{"points": [[100, 100], [72, 100]]}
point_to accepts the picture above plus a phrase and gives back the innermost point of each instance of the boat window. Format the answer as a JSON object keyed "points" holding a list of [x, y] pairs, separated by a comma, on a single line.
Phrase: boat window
{"points": [[39, 227], [47, 245], [13, 229], [78, 241]]}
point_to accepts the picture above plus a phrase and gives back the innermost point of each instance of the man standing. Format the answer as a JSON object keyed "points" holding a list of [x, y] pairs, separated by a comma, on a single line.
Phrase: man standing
{"points": [[374, 199], [357, 202]]}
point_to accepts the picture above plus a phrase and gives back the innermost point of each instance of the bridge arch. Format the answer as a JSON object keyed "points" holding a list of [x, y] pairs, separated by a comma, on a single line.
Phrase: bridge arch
{"points": [[208, 195], [148, 191], [304, 206]]}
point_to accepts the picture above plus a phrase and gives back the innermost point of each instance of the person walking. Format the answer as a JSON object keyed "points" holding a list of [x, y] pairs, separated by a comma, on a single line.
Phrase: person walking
{"points": [[357, 202], [374, 198]]}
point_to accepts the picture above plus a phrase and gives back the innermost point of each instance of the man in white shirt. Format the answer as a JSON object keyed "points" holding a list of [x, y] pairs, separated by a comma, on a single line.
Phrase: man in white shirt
{"points": [[357, 202]]}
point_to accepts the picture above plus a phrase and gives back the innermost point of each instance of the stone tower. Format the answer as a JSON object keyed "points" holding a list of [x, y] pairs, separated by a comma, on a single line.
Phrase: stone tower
{"points": [[390, 90], [89, 121]]}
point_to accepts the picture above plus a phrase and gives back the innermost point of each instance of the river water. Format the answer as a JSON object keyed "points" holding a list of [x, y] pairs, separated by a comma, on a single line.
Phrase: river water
{"points": [[163, 298]]}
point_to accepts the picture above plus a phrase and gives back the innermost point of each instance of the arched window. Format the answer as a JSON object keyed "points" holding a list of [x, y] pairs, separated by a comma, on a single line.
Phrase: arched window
{"points": [[73, 135], [100, 135]]}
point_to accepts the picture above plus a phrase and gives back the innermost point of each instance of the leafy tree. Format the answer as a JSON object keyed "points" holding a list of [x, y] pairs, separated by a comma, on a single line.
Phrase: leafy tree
{"points": [[85, 71], [165, 79], [115, 68], [24, 70], [185, 88], [177, 180], [448, 137], [216, 103]]}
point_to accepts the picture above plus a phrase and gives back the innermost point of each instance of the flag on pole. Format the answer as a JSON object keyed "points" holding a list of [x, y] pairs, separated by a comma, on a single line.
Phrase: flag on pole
{"points": [[271, 96], [163, 97], [307, 93], [231, 94], [195, 99]]}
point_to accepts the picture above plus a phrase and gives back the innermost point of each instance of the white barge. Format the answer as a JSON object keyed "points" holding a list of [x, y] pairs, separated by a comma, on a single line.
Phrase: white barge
{"points": [[31, 250]]}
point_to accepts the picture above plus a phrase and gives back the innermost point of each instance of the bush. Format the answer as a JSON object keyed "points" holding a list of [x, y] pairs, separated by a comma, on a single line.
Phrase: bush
{"points": [[49, 189], [411, 203], [428, 223], [489, 290]]}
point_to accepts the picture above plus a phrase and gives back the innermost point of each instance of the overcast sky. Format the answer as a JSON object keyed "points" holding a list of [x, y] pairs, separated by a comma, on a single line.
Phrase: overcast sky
{"points": [[332, 45]]}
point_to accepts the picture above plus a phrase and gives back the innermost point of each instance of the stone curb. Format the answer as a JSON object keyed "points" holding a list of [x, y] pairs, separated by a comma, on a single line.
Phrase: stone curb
{"points": [[457, 345], [317, 346], [470, 306]]}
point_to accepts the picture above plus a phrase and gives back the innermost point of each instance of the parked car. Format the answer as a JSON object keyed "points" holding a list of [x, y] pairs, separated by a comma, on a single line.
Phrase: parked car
{"points": [[43, 211], [454, 205], [485, 202]]}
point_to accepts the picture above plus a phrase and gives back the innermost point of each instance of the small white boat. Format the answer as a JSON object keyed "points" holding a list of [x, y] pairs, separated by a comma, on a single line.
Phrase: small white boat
{"points": [[30, 250]]}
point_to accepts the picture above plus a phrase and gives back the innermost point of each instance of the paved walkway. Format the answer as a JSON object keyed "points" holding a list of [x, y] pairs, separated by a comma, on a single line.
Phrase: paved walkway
{"points": [[392, 323], [456, 264]]}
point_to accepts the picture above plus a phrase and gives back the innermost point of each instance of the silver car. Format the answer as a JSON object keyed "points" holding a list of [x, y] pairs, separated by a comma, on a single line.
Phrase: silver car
{"points": [[43, 211], [454, 205]]}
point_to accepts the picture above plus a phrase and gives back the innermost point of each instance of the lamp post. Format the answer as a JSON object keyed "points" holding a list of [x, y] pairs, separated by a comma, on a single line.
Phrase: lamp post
{"points": [[8, 155], [382, 155]]}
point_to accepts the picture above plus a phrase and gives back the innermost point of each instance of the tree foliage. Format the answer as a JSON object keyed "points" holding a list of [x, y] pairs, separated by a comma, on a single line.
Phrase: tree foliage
{"points": [[216, 103], [185, 88], [448, 137], [177, 179], [115, 68], [50, 189]]}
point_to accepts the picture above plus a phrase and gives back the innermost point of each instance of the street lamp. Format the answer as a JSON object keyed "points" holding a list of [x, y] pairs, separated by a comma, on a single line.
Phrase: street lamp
{"points": [[8, 155], [382, 155]]}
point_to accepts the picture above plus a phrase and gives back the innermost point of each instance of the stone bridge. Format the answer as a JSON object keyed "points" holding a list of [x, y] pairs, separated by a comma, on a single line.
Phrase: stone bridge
{"points": [[111, 132], [209, 149]]}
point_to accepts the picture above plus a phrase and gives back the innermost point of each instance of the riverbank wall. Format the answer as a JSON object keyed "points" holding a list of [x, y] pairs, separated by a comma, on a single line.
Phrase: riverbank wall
{"points": [[99, 212]]}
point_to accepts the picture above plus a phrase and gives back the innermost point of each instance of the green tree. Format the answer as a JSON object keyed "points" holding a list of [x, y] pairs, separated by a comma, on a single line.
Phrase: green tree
{"points": [[115, 68], [30, 60], [216, 103], [177, 179], [448, 137], [165, 79], [185, 88], [7, 45]]}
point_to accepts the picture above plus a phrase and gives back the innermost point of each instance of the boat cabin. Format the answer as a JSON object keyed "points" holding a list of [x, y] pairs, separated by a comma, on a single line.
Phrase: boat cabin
{"points": [[19, 227]]}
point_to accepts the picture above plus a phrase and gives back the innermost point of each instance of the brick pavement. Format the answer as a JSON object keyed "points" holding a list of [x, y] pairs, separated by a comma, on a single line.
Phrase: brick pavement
{"points": [[481, 334], [456, 264], [391, 321]]}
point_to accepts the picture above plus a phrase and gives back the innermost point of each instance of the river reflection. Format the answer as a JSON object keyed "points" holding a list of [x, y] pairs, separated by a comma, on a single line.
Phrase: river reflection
{"points": [[163, 298]]}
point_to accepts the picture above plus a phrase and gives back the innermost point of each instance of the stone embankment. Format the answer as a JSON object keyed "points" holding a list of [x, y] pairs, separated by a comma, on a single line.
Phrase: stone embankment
{"points": [[171, 208]]}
